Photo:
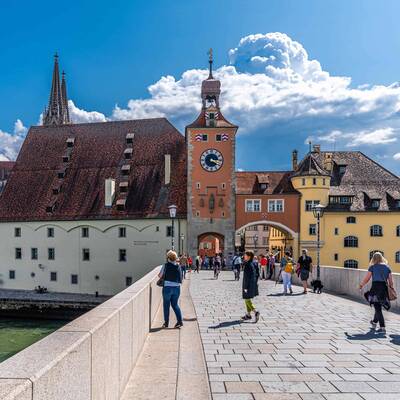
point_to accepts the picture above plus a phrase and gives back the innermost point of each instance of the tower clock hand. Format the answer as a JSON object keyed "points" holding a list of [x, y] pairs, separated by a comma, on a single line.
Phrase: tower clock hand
{"points": [[216, 161]]}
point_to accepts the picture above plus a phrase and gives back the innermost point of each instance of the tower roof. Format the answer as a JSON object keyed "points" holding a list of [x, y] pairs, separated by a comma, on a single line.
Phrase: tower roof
{"points": [[310, 166]]}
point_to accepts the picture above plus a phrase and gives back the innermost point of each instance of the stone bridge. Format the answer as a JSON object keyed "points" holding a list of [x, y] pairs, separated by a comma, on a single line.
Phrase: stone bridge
{"points": [[305, 347]]}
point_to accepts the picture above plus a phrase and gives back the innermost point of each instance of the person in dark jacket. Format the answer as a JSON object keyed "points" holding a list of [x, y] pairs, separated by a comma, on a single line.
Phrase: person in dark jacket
{"points": [[249, 286], [381, 276], [172, 274]]}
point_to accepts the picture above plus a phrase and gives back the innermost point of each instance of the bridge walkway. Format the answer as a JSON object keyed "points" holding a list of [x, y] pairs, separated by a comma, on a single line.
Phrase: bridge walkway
{"points": [[305, 347]]}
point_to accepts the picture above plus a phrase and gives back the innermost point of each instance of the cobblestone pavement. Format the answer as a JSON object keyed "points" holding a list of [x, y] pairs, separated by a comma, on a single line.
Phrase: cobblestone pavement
{"points": [[305, 347]]}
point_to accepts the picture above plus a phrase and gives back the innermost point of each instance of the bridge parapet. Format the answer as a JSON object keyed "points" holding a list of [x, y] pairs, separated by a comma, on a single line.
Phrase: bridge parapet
{"points": [[345, 281], [90, 357]]}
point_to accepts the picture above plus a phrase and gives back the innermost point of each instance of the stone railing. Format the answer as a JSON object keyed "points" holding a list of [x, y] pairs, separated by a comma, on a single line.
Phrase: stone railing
{"points": [[91, 357], [345, 281]]}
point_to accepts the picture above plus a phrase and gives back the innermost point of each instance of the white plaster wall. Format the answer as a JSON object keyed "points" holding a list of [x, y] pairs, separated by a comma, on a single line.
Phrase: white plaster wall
{"points": [[145, 245]]}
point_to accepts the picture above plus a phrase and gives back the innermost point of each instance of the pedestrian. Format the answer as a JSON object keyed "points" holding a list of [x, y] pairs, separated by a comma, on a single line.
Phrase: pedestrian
{"points": [[378, 295], [263, 263], [287, 271], [211, 262], [190, 263], [183, 263], [171, 273], [198, 263], [271, 265], [217, 265], [237, 264], [305, 264], [249, 286]]}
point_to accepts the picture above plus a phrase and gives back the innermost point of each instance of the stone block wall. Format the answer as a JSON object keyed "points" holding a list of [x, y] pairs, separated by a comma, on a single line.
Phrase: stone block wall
{"points": [[91, 357]]}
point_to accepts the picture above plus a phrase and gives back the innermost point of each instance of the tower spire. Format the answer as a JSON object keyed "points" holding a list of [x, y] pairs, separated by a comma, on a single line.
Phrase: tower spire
{"points": [[64, 99], [210, 61], [56, 113]]}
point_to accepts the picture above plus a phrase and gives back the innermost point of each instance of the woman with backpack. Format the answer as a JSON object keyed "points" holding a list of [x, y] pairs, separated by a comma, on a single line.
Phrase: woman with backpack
{"points": [[171, 274], [378, 295], [249, 286], [287, 271]]}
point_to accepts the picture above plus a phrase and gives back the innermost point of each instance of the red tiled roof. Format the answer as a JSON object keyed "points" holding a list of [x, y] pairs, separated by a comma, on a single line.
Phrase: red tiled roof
{"points": [[97, 154], [278, 182]]}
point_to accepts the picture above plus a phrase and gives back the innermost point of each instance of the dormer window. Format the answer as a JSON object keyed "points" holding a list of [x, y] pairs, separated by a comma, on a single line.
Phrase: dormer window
{"points": [[56, 190], [128, 153], [121, 204], [70, 142], [129, 138], [375, 203], [61, 174], [65, 158], [342, 169], [397, 204], [263, 186], [125, 169], [123, 187]]}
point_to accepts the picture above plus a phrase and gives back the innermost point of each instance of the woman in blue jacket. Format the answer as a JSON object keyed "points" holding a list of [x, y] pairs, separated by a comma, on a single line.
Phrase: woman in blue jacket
{"points": [[249, 286]]}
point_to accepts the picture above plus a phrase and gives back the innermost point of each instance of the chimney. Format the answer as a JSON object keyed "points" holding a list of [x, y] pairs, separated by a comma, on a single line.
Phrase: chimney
{"points": [[294, 160], [167, 169], [109, 192], [317, 148], [328, 162]]}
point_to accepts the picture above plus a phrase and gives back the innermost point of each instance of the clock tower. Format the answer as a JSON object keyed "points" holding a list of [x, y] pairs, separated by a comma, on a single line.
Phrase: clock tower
{"points": [[211, 175]]}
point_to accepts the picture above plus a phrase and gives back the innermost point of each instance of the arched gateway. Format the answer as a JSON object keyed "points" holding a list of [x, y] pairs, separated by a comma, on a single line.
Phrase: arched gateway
{"points": [[210, 243]]}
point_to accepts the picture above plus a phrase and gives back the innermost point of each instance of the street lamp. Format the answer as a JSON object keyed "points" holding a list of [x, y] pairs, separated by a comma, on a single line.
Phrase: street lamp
{"points": [[172, 213], [182, 242], [255, 239], [318, 211]]}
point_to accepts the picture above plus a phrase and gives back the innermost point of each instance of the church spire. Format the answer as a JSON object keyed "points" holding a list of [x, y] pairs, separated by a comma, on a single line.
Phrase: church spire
{"points": [[57, 110], [64, 99]]}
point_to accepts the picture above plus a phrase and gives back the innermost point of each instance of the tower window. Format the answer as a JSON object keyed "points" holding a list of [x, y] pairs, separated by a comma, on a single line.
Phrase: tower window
{"points": [[17, 232], [85, 254], [204, 137], [197, 185], [85, 232], [314, 181], [122, 232], [310, 204], [312, 229], [223, 186], [218, 138], [303, 181], [351, 220]]}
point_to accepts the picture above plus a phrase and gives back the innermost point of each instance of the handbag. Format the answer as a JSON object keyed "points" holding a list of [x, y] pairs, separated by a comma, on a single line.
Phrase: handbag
{"points": [[392, 294], [161, 280]]}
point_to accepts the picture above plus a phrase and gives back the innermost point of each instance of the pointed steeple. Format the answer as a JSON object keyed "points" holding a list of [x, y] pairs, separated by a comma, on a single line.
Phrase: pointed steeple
{"points": [[64, 99], [56, 112]]}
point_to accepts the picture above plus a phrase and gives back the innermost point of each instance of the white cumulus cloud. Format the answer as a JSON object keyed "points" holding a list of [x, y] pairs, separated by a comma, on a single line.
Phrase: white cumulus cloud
{"points": [[10, 143]]}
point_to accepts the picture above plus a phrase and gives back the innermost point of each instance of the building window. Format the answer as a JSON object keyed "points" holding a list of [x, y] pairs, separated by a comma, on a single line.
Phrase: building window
{"points": [[34, 253], [253, 205], [53, 276], [343, 200], [85, 232], [351, 220], [169, 231], [351, 264], [74, 279], [204, 137], [336, 257], [336, 231], [197, 213], [18, 253], [303, 181], [312, 229], [371, 253], [376, 230], [157, 229], [375, 203], [310, 204], [50, 232], [122, 232], [398, 230], [223, 186], [11, 274], [265, 227], [17, 232], [51, 253], [122, 255], [128, 281], [218, 138], [397, 257], [314, 181], [350, 241], [275, 205], [198, 185], [85, 254], [342, 169], [324, 181], [397, 203]]}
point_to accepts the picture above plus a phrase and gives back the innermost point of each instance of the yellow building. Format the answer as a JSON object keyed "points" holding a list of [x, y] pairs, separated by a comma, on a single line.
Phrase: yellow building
{"points": [[362, 208]]}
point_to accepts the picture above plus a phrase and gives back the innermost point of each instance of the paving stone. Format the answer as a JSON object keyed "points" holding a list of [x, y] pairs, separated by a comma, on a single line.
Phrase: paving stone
{"points": [[354, 387], [321, 387], [285, 387], [243, 387]]}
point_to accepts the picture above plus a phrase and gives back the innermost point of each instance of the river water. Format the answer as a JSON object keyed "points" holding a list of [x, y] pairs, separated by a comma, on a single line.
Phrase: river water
{"points": [[16, 334]]}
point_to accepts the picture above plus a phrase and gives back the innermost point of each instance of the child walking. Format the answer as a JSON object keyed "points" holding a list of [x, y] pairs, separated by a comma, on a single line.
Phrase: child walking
{"points": [[250, 286]]}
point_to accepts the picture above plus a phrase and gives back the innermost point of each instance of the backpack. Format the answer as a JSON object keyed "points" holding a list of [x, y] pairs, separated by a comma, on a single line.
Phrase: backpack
{"points": [[289, 267]]}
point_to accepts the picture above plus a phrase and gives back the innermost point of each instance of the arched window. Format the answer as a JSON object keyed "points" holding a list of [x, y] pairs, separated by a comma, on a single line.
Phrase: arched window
{"points": [[351, 220], [398, 230], [397, 258], [350, 241], [376, 230], [351, 264], [371, 253]]}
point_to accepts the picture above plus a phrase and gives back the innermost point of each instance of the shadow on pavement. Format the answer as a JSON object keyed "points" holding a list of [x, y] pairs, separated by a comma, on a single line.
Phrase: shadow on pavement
{"points": [[282, 295], [226, 324], [395, 339], [370, 335], [190, 319]]}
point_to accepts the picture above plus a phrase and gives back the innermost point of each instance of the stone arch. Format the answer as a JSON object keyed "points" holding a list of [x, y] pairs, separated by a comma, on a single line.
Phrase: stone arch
{"points": [[217, 240]]}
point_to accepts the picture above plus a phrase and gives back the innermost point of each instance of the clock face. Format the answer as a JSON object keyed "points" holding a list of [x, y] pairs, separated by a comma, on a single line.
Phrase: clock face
{"points": [[211, 160]]}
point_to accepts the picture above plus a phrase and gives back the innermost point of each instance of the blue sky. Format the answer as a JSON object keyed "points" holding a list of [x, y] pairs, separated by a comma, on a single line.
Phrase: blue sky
{"points": [[112, 53]]}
